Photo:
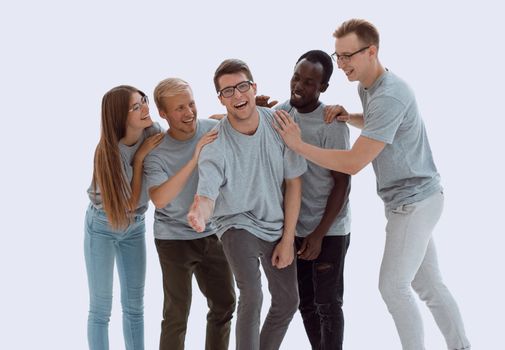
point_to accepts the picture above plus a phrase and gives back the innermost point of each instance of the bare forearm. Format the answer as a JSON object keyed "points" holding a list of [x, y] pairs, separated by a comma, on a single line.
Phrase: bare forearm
{"points": [[136, 184], [337, 160], [292, 200], [163, 194], [356, 120], [364, 151]]}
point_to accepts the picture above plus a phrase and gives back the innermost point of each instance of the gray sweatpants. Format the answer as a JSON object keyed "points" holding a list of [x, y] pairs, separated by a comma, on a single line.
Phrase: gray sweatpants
{"points": [[410, 261], [244, 252]]}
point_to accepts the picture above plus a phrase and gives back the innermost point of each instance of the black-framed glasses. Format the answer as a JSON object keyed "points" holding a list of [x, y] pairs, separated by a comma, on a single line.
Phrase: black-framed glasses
{"points": [[229, 91], [347, 57], [137, 106]]}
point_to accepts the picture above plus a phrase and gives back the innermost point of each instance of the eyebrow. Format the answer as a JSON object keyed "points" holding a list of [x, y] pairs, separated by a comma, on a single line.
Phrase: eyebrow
{"points": [[184, 104], [303, 78]]}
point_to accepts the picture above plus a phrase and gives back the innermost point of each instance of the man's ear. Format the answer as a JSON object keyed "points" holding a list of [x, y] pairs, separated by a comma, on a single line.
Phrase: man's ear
{"points": [[373, 50], [323, 87], [220, 98], [162, 114], [254, 88]]}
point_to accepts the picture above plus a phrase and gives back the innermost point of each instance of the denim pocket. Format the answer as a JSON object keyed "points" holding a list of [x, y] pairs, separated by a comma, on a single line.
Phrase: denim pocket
{"points": [[100, 224], [100, 219]]}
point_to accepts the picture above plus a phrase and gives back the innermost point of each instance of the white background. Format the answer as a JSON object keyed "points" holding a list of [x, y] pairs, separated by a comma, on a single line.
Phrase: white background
{"points": [[58, 58]]}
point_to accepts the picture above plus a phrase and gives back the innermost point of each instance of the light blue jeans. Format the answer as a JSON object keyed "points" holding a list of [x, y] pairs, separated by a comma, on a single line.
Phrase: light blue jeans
{"points": [[102, 246], [410, 261]]}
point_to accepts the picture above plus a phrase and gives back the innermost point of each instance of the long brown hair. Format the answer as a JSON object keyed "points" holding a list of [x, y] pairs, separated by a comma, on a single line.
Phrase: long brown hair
{"points": [[108, 172]]}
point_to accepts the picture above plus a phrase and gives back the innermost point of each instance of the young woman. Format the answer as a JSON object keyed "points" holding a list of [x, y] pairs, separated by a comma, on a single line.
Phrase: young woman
{"points": [[114, 225]]}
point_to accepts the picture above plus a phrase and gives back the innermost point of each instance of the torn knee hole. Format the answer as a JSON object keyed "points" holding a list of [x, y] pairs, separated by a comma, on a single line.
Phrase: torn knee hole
{"points": [[323, 266]]}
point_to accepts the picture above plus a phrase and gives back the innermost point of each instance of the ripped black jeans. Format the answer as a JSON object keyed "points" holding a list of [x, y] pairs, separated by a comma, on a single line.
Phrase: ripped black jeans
{"points": [[321, 289]]}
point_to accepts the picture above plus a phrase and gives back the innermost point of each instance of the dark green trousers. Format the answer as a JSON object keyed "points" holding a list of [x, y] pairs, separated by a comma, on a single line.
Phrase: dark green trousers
{"points": [[203, 258]]}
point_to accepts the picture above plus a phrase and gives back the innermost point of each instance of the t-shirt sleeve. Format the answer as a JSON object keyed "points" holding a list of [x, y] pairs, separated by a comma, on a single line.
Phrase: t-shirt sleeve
{"points": [[294, 164], [336, 136], [384, 117], [210, 172], [153, 171]]}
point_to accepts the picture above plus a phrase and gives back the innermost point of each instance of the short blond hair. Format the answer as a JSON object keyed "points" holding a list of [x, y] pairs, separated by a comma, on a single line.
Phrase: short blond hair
{"points": [[366, 32], [168, 88]]}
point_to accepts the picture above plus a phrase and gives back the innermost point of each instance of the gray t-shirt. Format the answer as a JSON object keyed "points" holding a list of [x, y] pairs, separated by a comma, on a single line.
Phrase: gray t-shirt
{"points": [[160, 165], [405, 170], [127, 153], [317, 181], [244, 175]]}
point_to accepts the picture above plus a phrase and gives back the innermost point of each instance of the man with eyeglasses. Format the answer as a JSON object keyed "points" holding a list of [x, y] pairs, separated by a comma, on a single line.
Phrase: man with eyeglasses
{"points": [[241, 176], [394, 140]]}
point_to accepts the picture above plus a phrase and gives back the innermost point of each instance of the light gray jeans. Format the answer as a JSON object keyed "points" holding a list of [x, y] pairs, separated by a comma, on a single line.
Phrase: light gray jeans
{"points": [[244, 252], [410, 261]]}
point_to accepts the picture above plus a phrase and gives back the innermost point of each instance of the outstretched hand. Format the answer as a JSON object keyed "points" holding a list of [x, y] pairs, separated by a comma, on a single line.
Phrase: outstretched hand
{"points": [[200, 212]]}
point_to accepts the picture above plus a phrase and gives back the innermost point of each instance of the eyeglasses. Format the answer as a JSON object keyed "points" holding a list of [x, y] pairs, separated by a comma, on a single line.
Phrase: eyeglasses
{"points": [[346, 58], [137, 106], [229, 91]]}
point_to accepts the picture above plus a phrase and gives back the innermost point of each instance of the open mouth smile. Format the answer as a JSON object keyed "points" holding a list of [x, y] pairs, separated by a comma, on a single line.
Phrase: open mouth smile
{"points": [[240, 105]]}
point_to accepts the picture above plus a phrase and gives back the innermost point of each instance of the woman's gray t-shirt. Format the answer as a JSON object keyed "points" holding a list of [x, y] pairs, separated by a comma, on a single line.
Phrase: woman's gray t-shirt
{"points": [[127, 153]]}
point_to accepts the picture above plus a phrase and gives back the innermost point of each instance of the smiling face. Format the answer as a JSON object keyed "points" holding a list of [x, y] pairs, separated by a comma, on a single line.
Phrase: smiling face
{"points": [[241, 106], [138, 113], [359, 66], [180, 113], [306, 85]]}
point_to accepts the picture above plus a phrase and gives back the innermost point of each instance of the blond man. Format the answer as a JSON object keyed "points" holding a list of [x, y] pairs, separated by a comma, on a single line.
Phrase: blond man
{"points": [[172, 181]]}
